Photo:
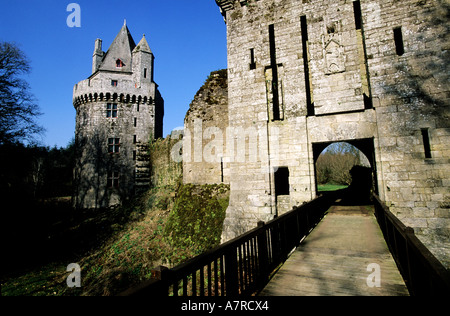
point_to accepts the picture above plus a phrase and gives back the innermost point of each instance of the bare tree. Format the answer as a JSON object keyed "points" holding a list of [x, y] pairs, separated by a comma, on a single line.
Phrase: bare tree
{"points": [[334, 164], [18, 108]]}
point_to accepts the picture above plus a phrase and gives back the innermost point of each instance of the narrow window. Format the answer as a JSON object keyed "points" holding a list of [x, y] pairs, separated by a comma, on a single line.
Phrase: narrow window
{"points": [[135, 122], [252, 59], [111, 110], [357, 12], [274, 66], [134, 155], [114, 83], [362, 53], [398, 38], [137, 107], [282, 181], [309, 103], [113, 145], [145, 72], [221, 169], [114, 110], [134, 139], [113, 179], [426, 142]]}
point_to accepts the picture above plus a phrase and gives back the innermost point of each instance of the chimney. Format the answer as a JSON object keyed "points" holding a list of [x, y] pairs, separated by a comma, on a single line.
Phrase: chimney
{"points": [[98, 55]]}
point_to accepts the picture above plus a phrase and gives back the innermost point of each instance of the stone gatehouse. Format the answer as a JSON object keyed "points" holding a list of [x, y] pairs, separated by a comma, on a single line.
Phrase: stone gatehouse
{"points": [[305, 74]]}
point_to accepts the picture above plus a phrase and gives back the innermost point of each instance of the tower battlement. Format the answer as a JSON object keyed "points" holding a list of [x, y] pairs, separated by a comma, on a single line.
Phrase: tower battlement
{"points": [[128, 92]]}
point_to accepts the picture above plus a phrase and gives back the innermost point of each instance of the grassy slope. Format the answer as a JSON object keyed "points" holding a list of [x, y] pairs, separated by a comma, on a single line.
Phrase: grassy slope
{"points": [[167, 226]]}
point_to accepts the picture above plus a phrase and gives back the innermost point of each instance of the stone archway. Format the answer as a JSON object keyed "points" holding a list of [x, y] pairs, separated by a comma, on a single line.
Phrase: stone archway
{"points": [[364, 145]]}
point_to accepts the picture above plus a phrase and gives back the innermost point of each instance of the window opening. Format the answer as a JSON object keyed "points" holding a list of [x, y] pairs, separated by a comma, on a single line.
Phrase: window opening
{"points": [[113, 145], [362, 54], [114, 83], [398, 38], [282, 181], [357, 12], [111, 110], [309, 102], [252, 59], [426, 142], [274, 67], [221, 169], [119, 63]]}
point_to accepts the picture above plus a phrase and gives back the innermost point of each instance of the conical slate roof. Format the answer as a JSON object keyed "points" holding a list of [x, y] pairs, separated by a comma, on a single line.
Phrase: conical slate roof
{"points": [[119, 53], [143, 46]]}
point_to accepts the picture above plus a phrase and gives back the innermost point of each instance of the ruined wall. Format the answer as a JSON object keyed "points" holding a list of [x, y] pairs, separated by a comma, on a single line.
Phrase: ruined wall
{"points": [[306, 73], [205, 128], [166, 167]]}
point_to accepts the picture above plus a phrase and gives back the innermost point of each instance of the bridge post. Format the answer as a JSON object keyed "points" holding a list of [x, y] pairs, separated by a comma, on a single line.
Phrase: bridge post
{"points": [[263, 255], [161, 273], [231, 272]]}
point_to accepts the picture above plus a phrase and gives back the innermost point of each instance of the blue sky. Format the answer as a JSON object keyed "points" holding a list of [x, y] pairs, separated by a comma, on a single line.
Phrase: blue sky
{"points": [[187, 37]]}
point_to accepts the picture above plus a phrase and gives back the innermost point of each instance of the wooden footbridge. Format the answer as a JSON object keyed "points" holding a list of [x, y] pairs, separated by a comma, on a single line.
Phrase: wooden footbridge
{"points": [[320, 248], [344, 255]]}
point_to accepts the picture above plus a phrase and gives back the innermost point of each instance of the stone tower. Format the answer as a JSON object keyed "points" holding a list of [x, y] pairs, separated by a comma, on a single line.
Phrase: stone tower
{"points": [[305, 74], [119, 111]]}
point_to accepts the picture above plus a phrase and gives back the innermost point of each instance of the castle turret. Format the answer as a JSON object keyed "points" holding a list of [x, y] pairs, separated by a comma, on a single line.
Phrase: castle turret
{"points": [[143, 61], [119, 110]]}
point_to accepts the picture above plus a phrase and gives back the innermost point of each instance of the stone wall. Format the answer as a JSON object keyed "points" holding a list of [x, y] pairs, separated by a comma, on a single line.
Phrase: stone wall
{"points": [[303, 74], [166, 168], [205, 125], [411, 99]]}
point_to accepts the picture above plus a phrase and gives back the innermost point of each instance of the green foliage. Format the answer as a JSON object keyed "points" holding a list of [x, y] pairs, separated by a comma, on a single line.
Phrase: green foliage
{"points": [[48, 281], [195, 223]]}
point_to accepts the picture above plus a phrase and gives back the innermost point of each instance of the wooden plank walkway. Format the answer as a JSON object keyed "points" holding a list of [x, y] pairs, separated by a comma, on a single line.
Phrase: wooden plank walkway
{"points": [[333, 260]]}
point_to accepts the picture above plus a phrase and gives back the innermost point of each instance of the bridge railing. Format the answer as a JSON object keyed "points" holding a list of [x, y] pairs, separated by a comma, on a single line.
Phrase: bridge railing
{"points": [[241, 266], [422, 272]]}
